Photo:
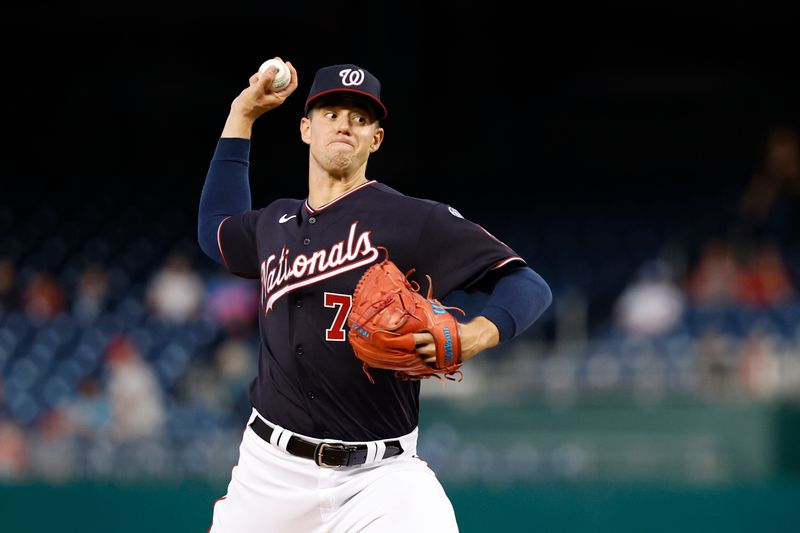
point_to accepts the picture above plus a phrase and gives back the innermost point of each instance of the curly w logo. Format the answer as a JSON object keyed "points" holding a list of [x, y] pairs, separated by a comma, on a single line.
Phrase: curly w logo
{"points": [[351, 77]]}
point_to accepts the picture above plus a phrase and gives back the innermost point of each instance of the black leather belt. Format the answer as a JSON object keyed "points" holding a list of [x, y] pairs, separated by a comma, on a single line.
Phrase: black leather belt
{"points": [[329, 454]]}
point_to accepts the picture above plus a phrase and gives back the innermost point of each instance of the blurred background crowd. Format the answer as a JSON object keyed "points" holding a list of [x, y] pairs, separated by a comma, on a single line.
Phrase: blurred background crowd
{"points": [[115, 329], [650, 172]]}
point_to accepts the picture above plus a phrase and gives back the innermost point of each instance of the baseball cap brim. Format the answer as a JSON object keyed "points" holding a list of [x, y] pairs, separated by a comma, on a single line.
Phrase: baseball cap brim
{"points": [[375, 104], [347, 79]]}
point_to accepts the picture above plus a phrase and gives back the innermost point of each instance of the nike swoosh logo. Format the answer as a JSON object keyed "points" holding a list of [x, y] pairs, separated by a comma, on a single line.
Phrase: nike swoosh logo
{"points": [[284, 219]]}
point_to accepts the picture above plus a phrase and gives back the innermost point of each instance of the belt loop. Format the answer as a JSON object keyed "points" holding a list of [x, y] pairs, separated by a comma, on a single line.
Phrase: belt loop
{"points": [[283, 440], [372, 452], [380, 449], [276, 435]]}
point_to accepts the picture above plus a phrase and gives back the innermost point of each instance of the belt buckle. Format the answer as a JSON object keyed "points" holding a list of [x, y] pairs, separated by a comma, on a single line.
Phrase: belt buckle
{"points": [[322, 446], [321, 449]]}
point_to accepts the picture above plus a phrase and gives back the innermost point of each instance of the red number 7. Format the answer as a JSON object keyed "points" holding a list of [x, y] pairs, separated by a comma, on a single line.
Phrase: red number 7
{"points": [[343, 301]]}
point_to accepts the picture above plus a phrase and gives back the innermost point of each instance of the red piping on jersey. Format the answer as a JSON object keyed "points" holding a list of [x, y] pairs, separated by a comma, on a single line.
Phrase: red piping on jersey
{"points": [[311, 210], [219, 242], [507, 261], [504, 261]]}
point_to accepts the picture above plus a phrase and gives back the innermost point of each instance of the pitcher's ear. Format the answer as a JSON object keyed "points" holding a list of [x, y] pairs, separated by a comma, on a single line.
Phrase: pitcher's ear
{"points": [[305, 130]]}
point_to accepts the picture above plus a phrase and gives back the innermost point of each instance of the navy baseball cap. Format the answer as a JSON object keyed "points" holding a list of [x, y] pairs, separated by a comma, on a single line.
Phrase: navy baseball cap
{"points": [[347, 79]]}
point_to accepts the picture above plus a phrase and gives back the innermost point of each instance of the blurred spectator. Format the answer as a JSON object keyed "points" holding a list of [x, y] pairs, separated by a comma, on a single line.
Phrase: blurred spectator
{"points": [[200, 389], [136, 398], [43, 297], [759, 368], [220, 387], [10, 296], [717, 360], [232, 303], [175, 292], [14, 458], [54, 450], [236, 366], [764, 279], [88, 412], [770, 205], [652, 303], [91, 293], [713, 280]]}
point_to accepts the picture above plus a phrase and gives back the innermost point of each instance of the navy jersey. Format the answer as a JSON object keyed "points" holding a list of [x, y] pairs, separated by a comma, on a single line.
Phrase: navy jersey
{"points": [[309, 262]]}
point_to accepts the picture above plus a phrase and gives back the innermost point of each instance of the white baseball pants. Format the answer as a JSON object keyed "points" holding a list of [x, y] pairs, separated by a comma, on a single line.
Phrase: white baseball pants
{"points": [[272, 491]]}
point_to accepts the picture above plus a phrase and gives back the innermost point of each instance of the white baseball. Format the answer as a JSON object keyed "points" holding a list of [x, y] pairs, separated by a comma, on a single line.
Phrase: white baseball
{"points": [[282, 77]]}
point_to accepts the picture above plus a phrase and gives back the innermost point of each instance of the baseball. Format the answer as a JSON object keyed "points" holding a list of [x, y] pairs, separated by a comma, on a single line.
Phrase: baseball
{"points": [[282, 77]]}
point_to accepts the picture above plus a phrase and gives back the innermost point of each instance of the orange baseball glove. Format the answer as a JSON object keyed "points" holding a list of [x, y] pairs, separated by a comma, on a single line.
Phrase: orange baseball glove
{"points": [[386, 312]]}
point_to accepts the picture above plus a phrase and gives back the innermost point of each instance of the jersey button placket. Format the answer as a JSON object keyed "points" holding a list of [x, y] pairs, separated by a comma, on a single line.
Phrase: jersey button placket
{"points": [[311, 221]]}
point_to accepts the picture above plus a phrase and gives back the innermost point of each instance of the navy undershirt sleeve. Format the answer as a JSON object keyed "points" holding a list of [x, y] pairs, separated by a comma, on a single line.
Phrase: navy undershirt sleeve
{"points": [[516, 301], [226, 192]]}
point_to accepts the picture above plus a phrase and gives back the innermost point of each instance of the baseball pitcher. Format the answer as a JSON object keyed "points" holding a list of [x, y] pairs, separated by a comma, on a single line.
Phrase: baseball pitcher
{"points": [[351, 320]]}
